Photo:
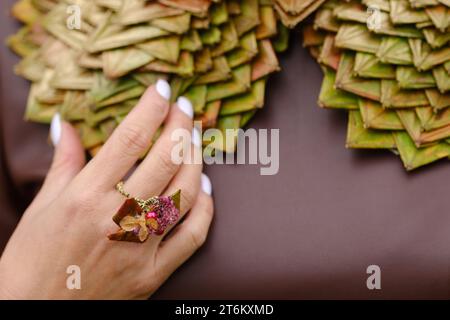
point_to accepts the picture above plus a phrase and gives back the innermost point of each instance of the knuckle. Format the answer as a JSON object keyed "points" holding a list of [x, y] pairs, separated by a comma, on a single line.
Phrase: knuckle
{"points": [[197, 237], [82, 201], [133, 140], [65, 161], [165, 163], [143, 287], [147, 283], [158, 276], [161, 107], [208, 206], [187, 198]]}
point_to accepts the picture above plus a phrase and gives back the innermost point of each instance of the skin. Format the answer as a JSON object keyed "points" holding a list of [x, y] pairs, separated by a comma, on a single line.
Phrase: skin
{"points": [[69, 220]]}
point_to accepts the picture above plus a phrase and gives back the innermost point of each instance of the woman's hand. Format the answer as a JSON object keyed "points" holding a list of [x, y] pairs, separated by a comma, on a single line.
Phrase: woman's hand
{"points": [[68, 222]]}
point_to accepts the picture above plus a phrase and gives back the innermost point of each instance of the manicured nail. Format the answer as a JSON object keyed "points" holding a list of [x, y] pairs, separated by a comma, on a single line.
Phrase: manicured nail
{"points": [[55, 129], [163, 88], [206, 184], [196, 138], [186, 106]]}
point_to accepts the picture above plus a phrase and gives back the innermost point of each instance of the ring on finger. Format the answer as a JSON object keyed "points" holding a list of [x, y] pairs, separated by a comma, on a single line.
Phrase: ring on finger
{"points": [[138, 218]]}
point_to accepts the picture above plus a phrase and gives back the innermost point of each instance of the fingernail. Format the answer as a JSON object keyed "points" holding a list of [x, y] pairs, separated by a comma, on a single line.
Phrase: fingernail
{"points": [[206, 184], [55, 129], [163, 88], [186, 106], [196, 138]]}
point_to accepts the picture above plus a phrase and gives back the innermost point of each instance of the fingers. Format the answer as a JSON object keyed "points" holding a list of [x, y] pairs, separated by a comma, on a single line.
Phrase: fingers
{"points": [[188, 181], [188, 178], [190, 235], [160, 165], [131, 139], [68, 160]]}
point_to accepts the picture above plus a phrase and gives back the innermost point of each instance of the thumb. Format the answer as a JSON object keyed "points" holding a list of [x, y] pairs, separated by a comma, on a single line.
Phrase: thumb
{"points": [[68, 160]]}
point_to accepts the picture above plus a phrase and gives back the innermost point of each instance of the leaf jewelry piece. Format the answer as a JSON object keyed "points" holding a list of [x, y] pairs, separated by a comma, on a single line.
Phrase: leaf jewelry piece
{"points": [[138, 218]]}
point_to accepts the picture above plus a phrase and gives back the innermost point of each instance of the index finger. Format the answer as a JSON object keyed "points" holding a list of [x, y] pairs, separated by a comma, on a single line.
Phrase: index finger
{"points": [[131, 138]]}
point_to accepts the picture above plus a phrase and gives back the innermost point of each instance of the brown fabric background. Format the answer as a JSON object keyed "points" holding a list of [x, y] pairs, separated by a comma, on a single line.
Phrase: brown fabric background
{"points": [[308, 232]]}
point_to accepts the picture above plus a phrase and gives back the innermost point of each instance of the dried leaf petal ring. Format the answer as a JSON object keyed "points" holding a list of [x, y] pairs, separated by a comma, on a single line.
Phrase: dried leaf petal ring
{"points": [[138, 218]]}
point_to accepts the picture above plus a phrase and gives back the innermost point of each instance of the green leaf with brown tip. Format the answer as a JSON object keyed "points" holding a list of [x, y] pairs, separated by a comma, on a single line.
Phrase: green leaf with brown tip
{"points": [[266, 61], [248, 49], [211, 36], [437, 100], [440, 16], [394, 50], [122, 96], [197, 95], [184, 67], [177, 24], [413, 126], [75, 106], [229, 40], [359, 137], [442, 79], [36, 111], [148, 78], [431, 120], [368, 66], [240, 83], [90, 137], [312, 37], [191, 41], [119, 62], [126, 38], [268, 27], [219, 72], [210, 114], [203, 61], [219, 13], [249, 17], [245, 102], [392, 96], [326, 20], [150, 12], [413, 157], [410, 78], [357, 37], [367, 88], [330, 55], [165, 48], [246, 117], [402, 13], [435, 38], [376, 117], [281, 41], [333, 98]]}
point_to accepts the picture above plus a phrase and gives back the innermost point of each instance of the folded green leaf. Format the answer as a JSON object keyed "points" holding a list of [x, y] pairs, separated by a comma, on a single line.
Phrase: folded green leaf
{"points": [[359, 137]]}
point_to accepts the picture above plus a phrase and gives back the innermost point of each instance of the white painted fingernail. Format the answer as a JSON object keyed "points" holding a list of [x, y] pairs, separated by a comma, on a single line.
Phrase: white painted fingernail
{"points": [[206, 184], [186, 106], [55, 129], [163, 88], [196, 138]]}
